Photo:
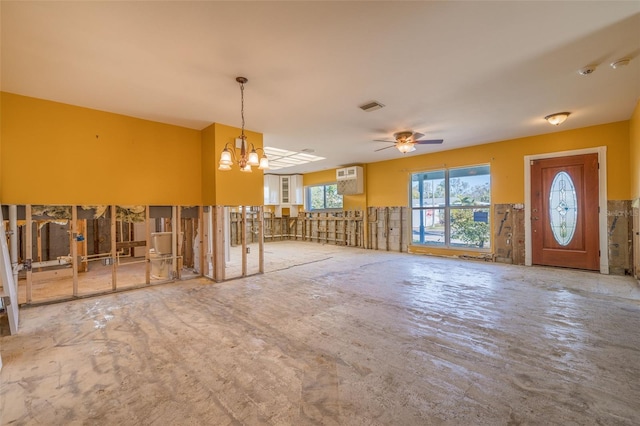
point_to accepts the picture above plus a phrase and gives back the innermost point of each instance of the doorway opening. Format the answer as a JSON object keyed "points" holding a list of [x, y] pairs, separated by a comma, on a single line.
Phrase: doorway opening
{"points": [[601, 221]]}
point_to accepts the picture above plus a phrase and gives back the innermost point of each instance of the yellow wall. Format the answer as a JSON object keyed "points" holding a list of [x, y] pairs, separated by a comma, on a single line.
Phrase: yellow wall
{"points": [[233, 187], [54, 153], [209, 163], [350, 202], [634, 152], [1, 179], [319, 178], [388, 180]]}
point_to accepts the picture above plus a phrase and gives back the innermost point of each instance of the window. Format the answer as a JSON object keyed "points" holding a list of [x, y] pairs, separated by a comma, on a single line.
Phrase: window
{"points": [[323, 197], [450, 208]]}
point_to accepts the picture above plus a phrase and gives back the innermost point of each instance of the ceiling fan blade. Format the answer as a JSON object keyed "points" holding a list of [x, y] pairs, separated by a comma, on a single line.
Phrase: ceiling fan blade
{"points": [[417, 136], [429, 141], [380, 140], [386, 147]]}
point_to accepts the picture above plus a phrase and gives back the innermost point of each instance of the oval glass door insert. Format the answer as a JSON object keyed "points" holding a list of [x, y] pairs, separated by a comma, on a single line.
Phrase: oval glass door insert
{"points": [[563, 208]]}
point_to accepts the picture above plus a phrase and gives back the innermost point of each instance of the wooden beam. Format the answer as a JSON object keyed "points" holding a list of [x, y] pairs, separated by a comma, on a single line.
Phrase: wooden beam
{"points": [[147, 269], [218, 243], [243, 227], [28, 258], [201, 234], [130, 244], [9, 287], [175, 243], [261, 238], [114, 250], [74, 247]]}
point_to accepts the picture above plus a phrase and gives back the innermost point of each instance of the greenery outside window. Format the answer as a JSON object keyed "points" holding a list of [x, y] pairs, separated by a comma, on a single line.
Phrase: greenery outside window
{"points": [[450, 207], [323, 197]]}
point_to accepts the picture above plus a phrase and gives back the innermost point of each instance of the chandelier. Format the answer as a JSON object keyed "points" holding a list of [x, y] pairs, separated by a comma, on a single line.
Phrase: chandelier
{"points": [[248, 156]]}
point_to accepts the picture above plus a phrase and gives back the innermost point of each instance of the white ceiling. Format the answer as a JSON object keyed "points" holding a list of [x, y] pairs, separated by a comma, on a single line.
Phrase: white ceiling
{"points": [[466, 72]]}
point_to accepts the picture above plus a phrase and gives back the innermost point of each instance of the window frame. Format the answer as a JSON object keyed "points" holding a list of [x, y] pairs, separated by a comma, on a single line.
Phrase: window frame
{"points": [[447, 207], [308, 199]]}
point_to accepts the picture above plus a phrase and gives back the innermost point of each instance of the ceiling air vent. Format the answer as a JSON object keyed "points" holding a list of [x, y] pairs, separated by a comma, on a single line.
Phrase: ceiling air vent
{"points": [[371, 106]]}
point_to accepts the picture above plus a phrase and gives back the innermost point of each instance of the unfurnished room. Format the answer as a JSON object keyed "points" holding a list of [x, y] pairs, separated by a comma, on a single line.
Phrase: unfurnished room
{"points": [[329, 213]]}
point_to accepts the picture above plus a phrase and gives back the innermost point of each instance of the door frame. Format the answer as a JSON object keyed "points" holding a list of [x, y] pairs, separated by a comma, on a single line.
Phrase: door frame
{"points": [[602, 201]]}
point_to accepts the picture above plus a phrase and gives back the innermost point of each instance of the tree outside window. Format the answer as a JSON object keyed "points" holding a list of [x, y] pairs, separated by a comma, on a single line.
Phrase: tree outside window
{"points": [[323, 197], [450, 208]]}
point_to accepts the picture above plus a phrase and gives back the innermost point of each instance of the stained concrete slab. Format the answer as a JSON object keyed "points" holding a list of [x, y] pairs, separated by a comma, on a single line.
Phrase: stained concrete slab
{"points": [[340, 336]]}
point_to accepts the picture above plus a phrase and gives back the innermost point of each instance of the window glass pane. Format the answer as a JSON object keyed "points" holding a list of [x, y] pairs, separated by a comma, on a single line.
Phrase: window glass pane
{"points": [[333, 199], [428, 226], [470, 186], [321, 197], [470, 227], [458, 218], [316, 194], [563, 208], [427, 189]]}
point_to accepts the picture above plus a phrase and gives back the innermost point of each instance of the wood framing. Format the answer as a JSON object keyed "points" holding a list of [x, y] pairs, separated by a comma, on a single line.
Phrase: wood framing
{"points": [[114, 250]]}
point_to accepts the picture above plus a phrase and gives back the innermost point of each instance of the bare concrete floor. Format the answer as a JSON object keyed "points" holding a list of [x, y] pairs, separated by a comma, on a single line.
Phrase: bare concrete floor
{"points": [[342, 336]]}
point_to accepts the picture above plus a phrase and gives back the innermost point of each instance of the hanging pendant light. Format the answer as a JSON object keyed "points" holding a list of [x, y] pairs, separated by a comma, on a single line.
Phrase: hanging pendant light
{"points": [[247, 158]]}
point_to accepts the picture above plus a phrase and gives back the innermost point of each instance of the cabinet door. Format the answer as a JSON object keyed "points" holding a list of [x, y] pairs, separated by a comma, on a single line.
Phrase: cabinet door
{"points": [[285, 182], [271, 190], [296, 189]]}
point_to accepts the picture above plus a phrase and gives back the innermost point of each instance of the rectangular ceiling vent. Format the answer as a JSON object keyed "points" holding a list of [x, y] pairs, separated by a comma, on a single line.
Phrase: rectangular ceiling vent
{"points": [[371, 106]]}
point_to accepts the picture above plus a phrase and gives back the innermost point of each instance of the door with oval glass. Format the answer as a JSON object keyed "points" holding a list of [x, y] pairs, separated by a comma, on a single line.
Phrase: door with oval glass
{"points": [[564, 212]]}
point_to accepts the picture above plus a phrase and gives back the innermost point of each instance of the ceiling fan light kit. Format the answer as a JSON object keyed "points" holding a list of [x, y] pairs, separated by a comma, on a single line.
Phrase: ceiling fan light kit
{"points": [[405, 141], [406, 147]]}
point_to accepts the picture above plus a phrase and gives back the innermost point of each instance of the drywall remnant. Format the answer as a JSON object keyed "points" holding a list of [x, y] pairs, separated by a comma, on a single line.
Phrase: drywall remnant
{"points": [[508, 238], [620, 236]]}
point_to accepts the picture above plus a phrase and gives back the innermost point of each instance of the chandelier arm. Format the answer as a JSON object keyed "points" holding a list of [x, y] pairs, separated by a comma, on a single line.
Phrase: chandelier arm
{"points": [[231, 149]]}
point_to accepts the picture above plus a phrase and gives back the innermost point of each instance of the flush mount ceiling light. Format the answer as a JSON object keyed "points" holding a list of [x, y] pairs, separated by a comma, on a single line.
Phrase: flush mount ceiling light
{"points": [[620, 63], [245, 160], [557, 118]]}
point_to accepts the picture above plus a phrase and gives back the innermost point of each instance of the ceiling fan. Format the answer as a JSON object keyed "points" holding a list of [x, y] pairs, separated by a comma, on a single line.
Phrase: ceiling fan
{"points": [[406, 141]]}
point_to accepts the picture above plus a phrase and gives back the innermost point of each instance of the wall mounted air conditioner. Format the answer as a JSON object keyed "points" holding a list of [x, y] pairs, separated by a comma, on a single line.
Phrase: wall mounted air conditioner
{"points": [[350, 180]]}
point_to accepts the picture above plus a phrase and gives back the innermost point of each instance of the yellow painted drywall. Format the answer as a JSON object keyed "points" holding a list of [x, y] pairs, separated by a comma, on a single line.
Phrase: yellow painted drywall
{"points": [[350, 202], [387, 181], [208, 165], [319, 178], [54, 153], [634, 152], [233, 187], [1, 198]]}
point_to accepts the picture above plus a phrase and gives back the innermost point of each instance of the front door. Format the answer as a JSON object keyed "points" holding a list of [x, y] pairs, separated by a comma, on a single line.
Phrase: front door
{"points": [[564, 212]]}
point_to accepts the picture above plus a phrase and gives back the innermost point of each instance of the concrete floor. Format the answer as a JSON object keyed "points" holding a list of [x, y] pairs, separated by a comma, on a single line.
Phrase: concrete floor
{"points": [[337, 336]]}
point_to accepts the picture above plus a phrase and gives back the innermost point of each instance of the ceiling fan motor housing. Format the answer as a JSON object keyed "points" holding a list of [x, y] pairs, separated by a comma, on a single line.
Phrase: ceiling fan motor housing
{"points": [[402, 136]]}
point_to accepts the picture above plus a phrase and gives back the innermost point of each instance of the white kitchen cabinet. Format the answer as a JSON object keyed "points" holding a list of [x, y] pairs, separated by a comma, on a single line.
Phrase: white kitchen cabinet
{"points": [[290, 190], [284, 190], [271, 190]]}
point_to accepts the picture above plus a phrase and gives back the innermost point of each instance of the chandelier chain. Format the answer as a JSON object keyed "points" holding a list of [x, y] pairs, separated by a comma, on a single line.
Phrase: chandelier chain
{"points": [[242, 108]]}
